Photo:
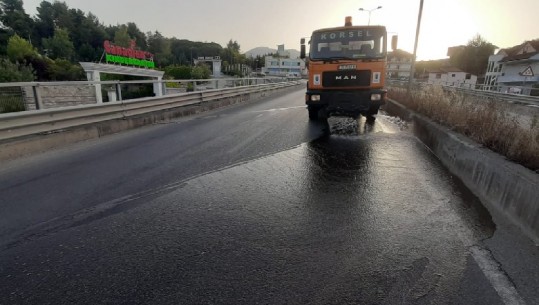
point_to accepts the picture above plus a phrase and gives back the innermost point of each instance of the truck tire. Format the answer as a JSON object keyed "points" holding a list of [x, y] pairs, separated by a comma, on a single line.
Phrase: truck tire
{"points": [[370, 115], [373, 111], [313, 112]]}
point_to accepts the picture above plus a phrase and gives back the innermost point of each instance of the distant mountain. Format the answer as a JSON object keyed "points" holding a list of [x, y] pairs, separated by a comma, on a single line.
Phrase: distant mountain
{"points": [[261, 51]]}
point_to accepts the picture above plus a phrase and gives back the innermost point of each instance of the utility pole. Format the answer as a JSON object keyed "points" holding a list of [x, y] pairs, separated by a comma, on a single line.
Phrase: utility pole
{"points": [[412, 66]]}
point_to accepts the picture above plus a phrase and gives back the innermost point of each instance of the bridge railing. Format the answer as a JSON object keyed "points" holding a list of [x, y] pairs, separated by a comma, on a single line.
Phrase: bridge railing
{"points": [[15, 97], [19, 124], [501, 93]]}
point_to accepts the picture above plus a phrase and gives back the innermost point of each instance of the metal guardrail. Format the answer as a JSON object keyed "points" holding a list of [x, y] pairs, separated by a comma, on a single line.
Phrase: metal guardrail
{"points": [[25, 96], [508, 97], [17, 124], [491, 94]]}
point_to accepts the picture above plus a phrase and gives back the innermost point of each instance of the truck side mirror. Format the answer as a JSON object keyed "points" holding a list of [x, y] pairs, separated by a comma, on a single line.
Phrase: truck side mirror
{"points": [[302, 48], [394, 41]]}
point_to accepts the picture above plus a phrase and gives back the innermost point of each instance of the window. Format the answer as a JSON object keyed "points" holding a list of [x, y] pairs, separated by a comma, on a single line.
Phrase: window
{"points": [[438, 75], [453, 75], [353, 44], [468, 76]]}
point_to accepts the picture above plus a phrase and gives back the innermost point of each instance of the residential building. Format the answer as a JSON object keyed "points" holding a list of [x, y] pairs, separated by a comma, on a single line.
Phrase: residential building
{"points": [[451, 76], [281, 65], [513, 70], [399, 64], [494, 70]]}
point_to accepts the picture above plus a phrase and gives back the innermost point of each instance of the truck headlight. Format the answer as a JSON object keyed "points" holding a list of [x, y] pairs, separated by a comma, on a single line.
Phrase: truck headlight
{"points": [[315, 98], [376, 97]]}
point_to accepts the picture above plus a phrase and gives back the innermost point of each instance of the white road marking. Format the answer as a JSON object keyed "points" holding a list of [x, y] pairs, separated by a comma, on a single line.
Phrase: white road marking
{"points": [[497, 278], [279, 109]]}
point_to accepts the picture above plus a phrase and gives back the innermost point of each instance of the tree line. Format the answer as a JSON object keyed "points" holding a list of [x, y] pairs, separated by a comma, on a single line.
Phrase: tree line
{"points": [[49, 45], [471, 58]]}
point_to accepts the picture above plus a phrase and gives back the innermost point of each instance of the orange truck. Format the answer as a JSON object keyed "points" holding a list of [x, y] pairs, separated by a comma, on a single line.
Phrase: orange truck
{"points": [[347, 70]]}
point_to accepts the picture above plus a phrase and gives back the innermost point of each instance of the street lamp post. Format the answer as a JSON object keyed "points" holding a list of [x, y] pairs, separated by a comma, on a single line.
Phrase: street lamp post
{"points": [[370, 11]]}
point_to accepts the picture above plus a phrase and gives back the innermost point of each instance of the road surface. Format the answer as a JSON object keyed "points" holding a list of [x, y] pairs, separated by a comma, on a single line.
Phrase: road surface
{"points": [[254, 204]]}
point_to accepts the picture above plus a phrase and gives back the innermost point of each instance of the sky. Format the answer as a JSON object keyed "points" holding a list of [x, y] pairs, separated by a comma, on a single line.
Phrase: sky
{"points": [[268, 23]]}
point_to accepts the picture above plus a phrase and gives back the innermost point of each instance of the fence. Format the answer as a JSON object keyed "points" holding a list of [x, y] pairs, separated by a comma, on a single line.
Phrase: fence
{"points": [[11, 99]]}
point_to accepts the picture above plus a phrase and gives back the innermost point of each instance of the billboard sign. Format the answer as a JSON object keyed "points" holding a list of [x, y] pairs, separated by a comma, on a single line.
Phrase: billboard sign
{"points": [[128, 56]]}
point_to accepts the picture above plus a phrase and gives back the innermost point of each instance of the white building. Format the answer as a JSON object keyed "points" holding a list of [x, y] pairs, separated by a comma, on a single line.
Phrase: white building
{"points": [[399, 64], [450, 76], [494, 70], [513, 70], [281, 65]]}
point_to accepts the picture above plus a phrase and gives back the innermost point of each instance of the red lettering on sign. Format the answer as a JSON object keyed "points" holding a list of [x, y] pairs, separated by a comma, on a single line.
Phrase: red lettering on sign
{"points": [[127, 52]]}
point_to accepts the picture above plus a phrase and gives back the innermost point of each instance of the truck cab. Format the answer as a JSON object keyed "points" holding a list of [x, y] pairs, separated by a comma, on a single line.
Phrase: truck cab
{"points": [[347, 69]]}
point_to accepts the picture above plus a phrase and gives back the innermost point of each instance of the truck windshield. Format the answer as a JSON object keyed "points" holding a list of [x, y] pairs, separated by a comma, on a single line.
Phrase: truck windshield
{"points": [[355, 43]]}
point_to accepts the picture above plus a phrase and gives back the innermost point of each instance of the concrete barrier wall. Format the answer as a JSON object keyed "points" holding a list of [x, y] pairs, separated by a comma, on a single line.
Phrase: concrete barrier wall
{"points": [[509, 188], [60, 96], [113, 120]]}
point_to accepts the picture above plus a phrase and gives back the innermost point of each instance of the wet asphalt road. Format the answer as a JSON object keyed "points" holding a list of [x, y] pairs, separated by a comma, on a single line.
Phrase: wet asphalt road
{"points": [[254, 205]]}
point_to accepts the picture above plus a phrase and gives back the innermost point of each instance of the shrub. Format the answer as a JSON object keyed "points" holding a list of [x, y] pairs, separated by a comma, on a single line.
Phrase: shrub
{"points": [[178, 72], [15, 72], [484, 120]]}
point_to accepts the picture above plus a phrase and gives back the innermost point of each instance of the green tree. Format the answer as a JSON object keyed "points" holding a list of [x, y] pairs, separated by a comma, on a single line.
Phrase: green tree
{"points": [[15, 72], [62, 16], [473, 58], [183, 50], [20, 50], [80, 33], [64, 70], [231, 53], [91, 35], [178, 72], [121, 37], [231, 57], [14, 18], [160, 47], [135, 33], [96, 32], [201, 71], [59, 46], [87, 53], [4, 38], [44, 22]]}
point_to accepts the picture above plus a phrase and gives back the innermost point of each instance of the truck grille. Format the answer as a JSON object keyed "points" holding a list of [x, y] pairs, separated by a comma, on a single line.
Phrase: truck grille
{"points": [[352, 78]]}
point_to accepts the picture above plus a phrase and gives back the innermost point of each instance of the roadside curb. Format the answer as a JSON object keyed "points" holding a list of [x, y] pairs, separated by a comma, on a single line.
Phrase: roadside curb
{"points": [[36, 143], [507, 187]]}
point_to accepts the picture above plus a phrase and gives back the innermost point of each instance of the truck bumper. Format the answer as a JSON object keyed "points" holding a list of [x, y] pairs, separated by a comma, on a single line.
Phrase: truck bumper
{"points": [[351, 103]]}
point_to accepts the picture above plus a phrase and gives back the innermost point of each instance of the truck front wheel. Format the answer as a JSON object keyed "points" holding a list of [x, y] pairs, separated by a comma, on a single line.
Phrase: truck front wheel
{"points": [[313, 112], [372, 112]]}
